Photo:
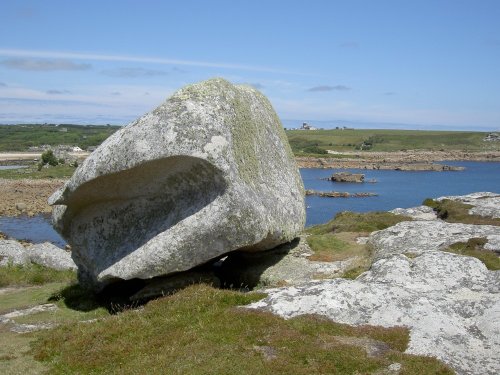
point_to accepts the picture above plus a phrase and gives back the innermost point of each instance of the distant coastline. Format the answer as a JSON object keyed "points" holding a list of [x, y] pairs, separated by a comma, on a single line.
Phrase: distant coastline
{"points": [[411, 160]]}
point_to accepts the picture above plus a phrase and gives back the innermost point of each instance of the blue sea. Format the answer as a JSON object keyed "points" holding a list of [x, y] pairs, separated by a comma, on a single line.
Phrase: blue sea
{"points": [[394, 189]]}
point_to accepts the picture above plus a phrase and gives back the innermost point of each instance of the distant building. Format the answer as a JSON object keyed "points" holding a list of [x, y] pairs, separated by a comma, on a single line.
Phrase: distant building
{"points": [[306, 126], [76, 149], [492, 137]]}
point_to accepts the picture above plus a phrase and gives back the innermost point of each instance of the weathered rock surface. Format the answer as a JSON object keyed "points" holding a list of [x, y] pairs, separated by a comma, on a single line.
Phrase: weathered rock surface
{"points": [[287, 264], [450, 303], [417, 237], [12, 252], [485, 203], [416, 213], [51, 256], [207, 172]]}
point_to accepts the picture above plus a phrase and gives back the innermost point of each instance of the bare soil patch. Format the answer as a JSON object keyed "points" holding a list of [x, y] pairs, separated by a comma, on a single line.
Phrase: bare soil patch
{"points": [[27, 197]]}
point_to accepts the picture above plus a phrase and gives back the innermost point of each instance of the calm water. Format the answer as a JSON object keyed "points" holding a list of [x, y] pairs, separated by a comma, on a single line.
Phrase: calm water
{"points": [[37, 229], [394, 189]]}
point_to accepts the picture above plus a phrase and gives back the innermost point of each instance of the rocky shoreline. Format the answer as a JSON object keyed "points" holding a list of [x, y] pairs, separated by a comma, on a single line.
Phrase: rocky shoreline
{"points": [[412, 160], [27, 196]]}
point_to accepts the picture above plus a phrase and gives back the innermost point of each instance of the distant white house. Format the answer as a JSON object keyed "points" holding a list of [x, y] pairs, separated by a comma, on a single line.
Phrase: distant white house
{"points": [[76, 149], [306, 126], [492, 137]]}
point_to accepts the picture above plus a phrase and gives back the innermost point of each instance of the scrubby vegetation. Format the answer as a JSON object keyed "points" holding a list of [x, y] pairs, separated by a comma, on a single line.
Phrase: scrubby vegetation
{"points": [[22, 136], [358, 222], [474, 247], [386, 140], [33, 172], [201, 330], [458, 212], [32, 274], [336, 240]]}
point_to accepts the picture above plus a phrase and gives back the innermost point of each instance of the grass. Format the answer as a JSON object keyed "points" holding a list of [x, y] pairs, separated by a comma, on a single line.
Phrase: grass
{"points": [[474, 247], [61, 171], [15, 357], [22, 136], [336, 240], [200, 330], [387, 140], [358, 222], [458, 212], [331, 247], [32, 274]]}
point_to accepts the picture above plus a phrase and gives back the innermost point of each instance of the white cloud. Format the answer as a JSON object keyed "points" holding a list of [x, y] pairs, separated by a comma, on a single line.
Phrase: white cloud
{"points": [[43, 65], [125, 58]]}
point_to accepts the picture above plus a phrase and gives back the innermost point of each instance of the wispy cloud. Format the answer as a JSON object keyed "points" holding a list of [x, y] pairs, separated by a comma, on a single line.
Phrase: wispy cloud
{"points": [[133, 72], [328, 88], [58, 92], [2, 84], [140, 59], [389, 93], [115, 93], [41, 65]]}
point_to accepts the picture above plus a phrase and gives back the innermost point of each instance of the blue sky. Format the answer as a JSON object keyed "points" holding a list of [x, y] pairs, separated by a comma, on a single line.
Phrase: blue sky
{"points": [[431, 63]]}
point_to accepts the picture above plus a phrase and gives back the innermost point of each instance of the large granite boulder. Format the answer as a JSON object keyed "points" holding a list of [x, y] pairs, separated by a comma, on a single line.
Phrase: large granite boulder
{"points": [[207, 172]]}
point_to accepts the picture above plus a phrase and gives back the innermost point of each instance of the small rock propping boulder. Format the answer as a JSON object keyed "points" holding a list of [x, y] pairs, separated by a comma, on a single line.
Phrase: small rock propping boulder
{"points": [[207, 172]]}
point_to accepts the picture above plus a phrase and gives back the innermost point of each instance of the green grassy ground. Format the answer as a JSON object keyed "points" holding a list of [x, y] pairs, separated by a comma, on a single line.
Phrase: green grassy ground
{"points": [[201, 330], [336, 240], [31, 172], [20, 137], [302, 142], [458, 212]]}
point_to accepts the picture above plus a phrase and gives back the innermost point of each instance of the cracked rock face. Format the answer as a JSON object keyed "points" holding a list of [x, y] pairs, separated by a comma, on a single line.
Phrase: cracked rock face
{"points": [[207, 172], [416, 213], [417, 237], [450, 303]]}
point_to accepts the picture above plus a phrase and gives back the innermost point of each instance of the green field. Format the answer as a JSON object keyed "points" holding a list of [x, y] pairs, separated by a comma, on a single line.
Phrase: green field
{"points": [[313, 141], [21, 137]]}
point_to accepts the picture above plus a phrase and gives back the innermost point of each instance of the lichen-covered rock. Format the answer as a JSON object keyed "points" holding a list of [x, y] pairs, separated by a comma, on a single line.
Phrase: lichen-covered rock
{"points": [[484, 203], [417, 237], [12, 252], [416, 213], [51, 256], [207, 172], [450, 303], [287, 264]]}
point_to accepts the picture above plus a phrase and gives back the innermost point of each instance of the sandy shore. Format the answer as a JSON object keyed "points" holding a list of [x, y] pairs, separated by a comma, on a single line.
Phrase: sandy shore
{"points": [[27, 197], [407, 160]]}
